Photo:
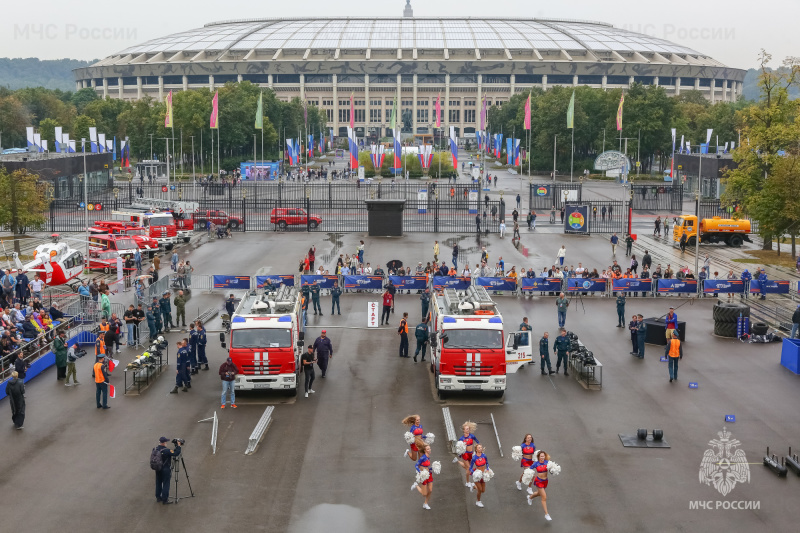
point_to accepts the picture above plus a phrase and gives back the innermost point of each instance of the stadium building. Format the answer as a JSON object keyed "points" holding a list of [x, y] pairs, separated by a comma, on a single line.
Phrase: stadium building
{"points": [[415, 59]]}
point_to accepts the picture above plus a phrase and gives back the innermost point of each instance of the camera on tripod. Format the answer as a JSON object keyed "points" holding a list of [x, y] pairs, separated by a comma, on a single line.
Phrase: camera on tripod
{"points": [[177, 442]]}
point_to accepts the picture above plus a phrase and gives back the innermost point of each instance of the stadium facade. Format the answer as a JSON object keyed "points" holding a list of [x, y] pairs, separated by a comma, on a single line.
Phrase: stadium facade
{"points": [[324, 60]]}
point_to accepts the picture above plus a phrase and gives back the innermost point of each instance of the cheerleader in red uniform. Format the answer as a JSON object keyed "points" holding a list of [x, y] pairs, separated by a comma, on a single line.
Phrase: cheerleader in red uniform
{"points": [[479, 462], [424, 465], [528, 449], [414, 422], [469, 440], [540, 480]]}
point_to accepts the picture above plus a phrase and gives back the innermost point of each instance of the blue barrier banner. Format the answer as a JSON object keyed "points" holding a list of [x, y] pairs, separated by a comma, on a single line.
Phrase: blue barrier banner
{"points": [[772, 287], [734, 286], [632, 285], [450, 282], [363, 282], [576, 219], [541, 284], [586, 284], [276, 280], [677, 285], [409, 283], [497, 284], [231, 282], [324, 282]]}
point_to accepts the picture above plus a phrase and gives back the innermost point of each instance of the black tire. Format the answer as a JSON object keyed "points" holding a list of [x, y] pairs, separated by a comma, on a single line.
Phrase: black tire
{"points": [[730, 311], [282, 224], [759, 328], [201, 222], [187, 239], [313, 224], [291, 393], [725, 329], [736, 240], [690, 241], [234, 224], [497, 394], [106, 270]]}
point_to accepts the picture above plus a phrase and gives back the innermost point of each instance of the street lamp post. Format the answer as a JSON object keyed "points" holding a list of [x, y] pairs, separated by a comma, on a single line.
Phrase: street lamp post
{"points": [[555, 143]]}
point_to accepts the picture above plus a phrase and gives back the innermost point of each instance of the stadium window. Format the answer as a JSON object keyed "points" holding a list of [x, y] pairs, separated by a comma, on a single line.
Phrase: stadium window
{"points": [[496, 79], [407, 103], [463, 78], [358, 102], [149, 80], [196, 79], [528, 78], [455, 116], [256, 78], [469, 103], [225, 78], [350, 78], [359, 115], [687, 82], [286, 78], [469, 115], [422, 115], [375, 115], [590, 80], [644, 80], [344, 115], [112, 82], [666, 81], [705, 82], [559, 79], [375, 102], [329, 112], [455, 103], [327, 102], [617, 80], [173, 80], [319, 78]]}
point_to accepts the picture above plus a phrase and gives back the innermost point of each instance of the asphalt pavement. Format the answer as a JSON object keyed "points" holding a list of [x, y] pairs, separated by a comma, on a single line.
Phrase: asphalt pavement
{"points": [[335, 460]]}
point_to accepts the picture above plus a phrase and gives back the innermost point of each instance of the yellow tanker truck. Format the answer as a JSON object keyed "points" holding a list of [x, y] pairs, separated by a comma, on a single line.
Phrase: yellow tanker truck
{"points": [[712, 230]]}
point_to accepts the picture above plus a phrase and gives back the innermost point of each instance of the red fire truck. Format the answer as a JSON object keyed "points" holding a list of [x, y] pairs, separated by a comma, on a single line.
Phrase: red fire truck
{"points": [[147, 246], [160, 226], [180, 210], [467, 348], [266, 340]]}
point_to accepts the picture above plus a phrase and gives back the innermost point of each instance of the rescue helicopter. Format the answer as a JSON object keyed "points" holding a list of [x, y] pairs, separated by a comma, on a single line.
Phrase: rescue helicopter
{"points": [[56, 263]]}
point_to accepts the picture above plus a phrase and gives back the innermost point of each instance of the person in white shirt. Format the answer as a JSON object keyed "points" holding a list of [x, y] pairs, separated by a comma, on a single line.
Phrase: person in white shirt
{"points": [[580, 270], [368, 270], [420, 269], [465, 273], [37, 285], [502, 228], [558, 274], [319, 270], [562, 253]]}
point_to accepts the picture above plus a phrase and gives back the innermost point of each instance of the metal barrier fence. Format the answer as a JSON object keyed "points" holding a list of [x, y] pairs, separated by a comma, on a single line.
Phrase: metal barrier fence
{"points": [[657, 197], [607, 216], [545, 196], [714, 208]]}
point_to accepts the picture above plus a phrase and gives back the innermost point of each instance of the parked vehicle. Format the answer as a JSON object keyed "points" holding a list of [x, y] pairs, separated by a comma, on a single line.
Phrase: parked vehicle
{"points": [[290, 216], [712, 230]]}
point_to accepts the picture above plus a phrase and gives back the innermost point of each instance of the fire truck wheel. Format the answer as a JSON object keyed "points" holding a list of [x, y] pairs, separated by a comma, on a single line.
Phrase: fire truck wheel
{"points": [[735, 240], [291, 392], [234, 224], [106, 270]]}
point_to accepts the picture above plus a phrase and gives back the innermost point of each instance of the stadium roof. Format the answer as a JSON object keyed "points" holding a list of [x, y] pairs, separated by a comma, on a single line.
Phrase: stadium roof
{"points": [[410, 33]]}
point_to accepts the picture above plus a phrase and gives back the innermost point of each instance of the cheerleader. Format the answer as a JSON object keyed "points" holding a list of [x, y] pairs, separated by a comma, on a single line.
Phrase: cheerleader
{"points": [[479, 463], [469, 441], [415, 442], [540, 467], [425, 471], [528, 448]]}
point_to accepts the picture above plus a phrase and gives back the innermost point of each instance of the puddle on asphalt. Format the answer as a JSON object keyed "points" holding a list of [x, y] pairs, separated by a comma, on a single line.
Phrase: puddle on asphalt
{"points": [[331, 518]]}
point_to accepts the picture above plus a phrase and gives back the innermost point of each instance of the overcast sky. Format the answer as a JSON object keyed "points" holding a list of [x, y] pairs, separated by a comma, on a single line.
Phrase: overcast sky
{"points": [[731, 31]]}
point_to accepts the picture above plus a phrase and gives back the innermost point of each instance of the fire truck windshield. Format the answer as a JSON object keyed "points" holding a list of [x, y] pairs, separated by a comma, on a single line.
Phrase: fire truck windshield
{"points": [[474, 338], [136, 231], [161, 220], [126, 244], [261, 338]]}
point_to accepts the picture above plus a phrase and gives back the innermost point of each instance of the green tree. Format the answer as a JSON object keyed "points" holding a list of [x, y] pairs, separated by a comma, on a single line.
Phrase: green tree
{"points": [[80, 129], [106, 114], [47, 128], [14, 118], [42, 104], [82, 98], [763, 184], [26, 202]]}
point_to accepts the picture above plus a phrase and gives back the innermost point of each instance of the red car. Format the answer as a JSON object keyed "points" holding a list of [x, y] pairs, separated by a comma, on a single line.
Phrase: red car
{"points": [[106, 261], [290, 216], [220, 218]]}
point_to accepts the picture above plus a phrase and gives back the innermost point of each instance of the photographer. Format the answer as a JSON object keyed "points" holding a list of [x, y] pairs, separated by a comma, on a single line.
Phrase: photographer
{"points": [[227, 373], [161, 461], [307, 361]]}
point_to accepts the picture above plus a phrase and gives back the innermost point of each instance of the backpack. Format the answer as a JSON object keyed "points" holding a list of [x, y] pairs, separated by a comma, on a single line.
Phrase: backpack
{"points": [[156, 461]]}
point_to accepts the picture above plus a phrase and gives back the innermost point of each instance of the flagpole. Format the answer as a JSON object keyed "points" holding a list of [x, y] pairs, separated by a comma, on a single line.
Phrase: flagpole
{"points": [[169, 192], [572, 158], [202, 169]]}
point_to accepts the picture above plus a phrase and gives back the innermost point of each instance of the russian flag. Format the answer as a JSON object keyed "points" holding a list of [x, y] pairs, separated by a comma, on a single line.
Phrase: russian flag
{"points": [[454, 146], [290, 152], [516, 152], [351, 141], [398, 163]]}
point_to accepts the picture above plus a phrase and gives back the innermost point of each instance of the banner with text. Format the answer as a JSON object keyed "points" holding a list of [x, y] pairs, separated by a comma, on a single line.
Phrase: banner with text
{"points": [[586, 285], [771, 287], [677, 285], [541, 284], [632, 285], [497, 284], [324, 282], [734, 286], [451, 282], [287, 279], [231, 282], [409, 283], [363, 282]]}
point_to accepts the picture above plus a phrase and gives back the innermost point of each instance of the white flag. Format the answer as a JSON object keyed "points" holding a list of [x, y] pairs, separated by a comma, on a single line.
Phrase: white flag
{"points": [[708, 135]]}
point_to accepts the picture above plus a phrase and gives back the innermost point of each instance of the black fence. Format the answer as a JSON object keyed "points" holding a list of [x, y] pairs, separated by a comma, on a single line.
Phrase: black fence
{"points": [[714, 208], [607, 216], [657, 198], [544, 196]]}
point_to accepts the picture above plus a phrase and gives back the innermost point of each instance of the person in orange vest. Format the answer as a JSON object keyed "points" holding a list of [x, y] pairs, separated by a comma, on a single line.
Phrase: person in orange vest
{"points": [[403, 332], [100, 374], [100, 347], [674, 350]]}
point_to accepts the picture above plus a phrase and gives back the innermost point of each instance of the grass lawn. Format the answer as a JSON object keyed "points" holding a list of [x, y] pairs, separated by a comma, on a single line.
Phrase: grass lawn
{"points": [[770, 257]]}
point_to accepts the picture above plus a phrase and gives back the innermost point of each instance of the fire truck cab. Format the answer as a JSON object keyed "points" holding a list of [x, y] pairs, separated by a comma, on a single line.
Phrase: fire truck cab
{"points": [[147, 246], [180, 210], [468, 352], [160, 226], [266, 340]]}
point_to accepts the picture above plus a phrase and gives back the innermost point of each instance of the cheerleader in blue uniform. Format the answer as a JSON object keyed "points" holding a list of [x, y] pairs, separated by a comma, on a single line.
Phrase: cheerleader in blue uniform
{"points": [[414, 422], [424, 465], [540, 480], [464, 459], [528, 449], [479, 462]]}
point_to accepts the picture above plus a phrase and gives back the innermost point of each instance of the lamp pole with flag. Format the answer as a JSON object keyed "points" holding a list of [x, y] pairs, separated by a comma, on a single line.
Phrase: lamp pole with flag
{"points": [[168, 123], [194, 176], [571, 125], [528, 133]]}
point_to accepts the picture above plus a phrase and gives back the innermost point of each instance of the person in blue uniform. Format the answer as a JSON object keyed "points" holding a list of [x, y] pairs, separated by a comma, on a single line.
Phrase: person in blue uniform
{"points": [[424, 463], [202, 360], [192, 348], [479, 462], [528, 449], [336, 293], [425, 301], [544, 354], [182, 368], [746, 278], [621, 310], [561, 347], [762, 281], [634, 339], [470, 440], [421, 334], [164, 474], [540, 480], [314, 290], [151, 322], [324, 350], [641, 334], [166, 311]]}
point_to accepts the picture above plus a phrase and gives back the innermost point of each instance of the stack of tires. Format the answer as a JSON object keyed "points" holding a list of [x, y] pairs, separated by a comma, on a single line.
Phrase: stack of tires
{"points": [[725, 316]]}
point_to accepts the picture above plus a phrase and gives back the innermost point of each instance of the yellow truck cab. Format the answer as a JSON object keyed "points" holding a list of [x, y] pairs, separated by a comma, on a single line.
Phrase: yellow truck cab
{"points": [[714, 230]]}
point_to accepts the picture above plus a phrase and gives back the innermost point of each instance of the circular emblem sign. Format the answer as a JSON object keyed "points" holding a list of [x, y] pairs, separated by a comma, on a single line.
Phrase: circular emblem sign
{"points": [[541, 191], [164, 188], [576, 220]]}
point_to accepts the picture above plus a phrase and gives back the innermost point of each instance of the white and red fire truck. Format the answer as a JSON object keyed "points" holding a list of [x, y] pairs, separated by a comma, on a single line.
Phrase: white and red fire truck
{"points": [[467, 346], [160, 226], [265, 340], [181, 211]]}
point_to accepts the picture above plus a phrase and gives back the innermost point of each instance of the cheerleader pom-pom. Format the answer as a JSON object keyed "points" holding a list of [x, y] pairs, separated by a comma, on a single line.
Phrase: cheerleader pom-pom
{"points": [[409, 437], [477, 476], [554, 468], [489, 474], [437, 467], [429, 438], [461, 448], [527, 476], [516, 453], [422, 476]]}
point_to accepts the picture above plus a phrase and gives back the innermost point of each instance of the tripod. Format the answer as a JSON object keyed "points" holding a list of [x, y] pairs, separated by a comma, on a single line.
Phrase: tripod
{"points": [[176, 464]]}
